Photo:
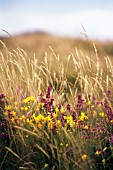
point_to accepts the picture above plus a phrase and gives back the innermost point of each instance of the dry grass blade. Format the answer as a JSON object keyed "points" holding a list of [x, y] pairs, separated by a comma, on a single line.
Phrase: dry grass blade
{"points": [[42, 150], [10, 150], [28, 131], [29, 164], [26, 168], [7, 32]]}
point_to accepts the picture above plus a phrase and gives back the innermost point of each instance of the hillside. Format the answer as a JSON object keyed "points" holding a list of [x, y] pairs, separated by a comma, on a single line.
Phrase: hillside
{"points": [[38, 43]]}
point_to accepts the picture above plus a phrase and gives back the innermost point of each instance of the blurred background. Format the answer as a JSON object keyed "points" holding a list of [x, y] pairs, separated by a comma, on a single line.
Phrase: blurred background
{"points": [[62, 24], [59, 17]]}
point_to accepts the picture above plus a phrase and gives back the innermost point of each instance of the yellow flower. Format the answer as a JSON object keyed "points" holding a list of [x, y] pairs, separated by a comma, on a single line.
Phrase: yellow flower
{"points": [[58, 123], [50, 125], [97, 152], [83, 116], [102, 114], [61, 144], [46, 165], [13, 120], [26, 100], [103, 161], [101, 131], [49, 118], [29, 99], [25, 108], [32, 99], [41, 105], [62, 110], [13, 113], [69, 120], [86, 127], [84, 157], [16, 104], [22, 108], [111, 121], [8, 107], [36, 109], [89, 103], [107, 119], [65, 117], [67, 145], [56, 110], [27, 120], [55, 114], [94, 113], [39, 125], [11, 98], [22, 118]]}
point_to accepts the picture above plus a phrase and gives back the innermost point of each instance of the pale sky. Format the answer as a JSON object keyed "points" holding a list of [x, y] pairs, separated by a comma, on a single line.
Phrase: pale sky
{"points": [[59, 17]]}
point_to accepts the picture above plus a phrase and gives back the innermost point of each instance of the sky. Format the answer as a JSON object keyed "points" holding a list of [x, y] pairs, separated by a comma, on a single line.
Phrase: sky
{"points": [[58, 17]]}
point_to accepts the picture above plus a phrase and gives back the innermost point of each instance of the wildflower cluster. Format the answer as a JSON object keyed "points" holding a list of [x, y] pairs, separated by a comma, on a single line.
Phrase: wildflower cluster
{"points": [[89, 119]]}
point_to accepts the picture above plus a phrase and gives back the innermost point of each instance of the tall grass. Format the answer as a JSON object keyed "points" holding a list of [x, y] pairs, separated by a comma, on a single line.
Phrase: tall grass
{"points": [[21, 74], [54, 117]]}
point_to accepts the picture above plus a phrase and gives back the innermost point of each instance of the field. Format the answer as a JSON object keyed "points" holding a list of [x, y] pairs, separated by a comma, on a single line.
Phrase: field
{"points": [[56, 103]]}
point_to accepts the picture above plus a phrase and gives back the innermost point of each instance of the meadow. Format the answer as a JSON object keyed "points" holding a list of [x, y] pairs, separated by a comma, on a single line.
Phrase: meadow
{"points": [[56, 104]]}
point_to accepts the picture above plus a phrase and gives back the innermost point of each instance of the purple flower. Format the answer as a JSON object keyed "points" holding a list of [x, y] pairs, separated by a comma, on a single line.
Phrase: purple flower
{"points": [[2, 124], [69, 149], [3, 134], [2, 96], [3, 102], [48, 92], [111, 139], [68, 107]]}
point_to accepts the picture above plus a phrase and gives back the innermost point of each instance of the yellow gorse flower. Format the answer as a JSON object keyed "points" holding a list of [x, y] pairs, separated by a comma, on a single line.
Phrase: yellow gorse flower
{"points": [[103, 161], [111, 121], [23, 117], [13, 120], [25, 108], [69, 121], [83, 116], [40, 120], [41, 105], [62, 110], [94, 113], [13, 113], [46, 165], [67, 145], [89, 103], [8, 107], [97, 152], [86, 127], [84, 157], [58, 123], [16, 104], [61, 144], [102, 114], [29, 99], [101, 131], [56, 110]]}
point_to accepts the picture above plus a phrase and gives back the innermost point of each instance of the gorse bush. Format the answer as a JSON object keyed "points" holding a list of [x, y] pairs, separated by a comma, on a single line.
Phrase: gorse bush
{"points": [[53, 119]]}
